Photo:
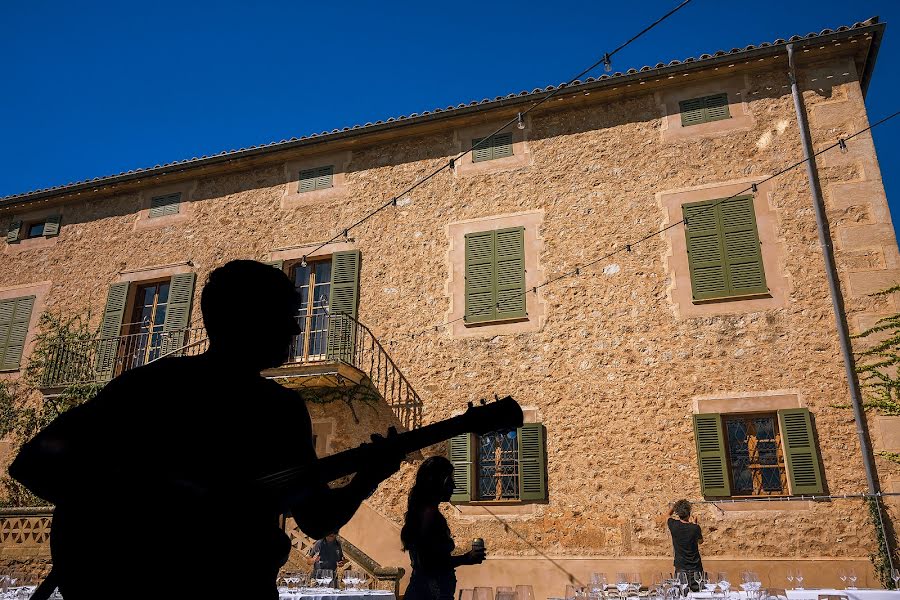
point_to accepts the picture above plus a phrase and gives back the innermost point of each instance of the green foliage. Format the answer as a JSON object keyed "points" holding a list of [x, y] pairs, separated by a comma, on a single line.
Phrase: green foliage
{"points": [[879, 366], [891, 456], [880, 558], [24, 410]]}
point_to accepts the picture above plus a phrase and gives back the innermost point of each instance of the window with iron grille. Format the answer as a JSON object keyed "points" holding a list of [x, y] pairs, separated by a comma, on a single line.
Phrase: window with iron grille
{"points": [[498, 465], [755, 455]]}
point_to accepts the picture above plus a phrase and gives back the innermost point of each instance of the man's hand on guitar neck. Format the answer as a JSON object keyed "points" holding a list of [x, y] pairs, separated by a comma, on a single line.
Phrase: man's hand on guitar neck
{"points": [[385, 456]]}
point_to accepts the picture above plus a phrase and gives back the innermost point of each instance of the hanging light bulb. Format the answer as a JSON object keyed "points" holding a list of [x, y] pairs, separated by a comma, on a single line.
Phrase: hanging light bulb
{"points": [[842, 145], [607, 63], [303, 261], [520, 121]]}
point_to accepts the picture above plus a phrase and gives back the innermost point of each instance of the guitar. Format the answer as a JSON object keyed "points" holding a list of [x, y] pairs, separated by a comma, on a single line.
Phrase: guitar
{"points": [[287, 485]]}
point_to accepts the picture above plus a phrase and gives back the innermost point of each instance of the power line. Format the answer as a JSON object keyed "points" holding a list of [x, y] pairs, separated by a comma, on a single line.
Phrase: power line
{"points": [[518, 119], [628, 247]]}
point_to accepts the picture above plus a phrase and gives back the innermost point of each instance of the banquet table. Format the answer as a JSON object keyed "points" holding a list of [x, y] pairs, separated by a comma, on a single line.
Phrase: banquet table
{"points": [[332, 594], [813, 594]]}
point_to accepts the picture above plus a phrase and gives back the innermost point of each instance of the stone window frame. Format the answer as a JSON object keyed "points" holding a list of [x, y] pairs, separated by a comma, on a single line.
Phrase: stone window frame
{"points": [[771, 245], [35, 243], [185, 206], [475, 510], [768, 401], [535, 304], [39, 290], [462, 141], [736, 87], [291, 196], [152, 274]]}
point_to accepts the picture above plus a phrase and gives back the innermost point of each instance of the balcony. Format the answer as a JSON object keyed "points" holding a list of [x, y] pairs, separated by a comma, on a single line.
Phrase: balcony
{"points": [[333, 354]]}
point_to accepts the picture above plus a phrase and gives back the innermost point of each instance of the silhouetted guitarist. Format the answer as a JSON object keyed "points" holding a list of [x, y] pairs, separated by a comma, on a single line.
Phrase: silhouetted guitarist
{"points": [[153, 480]]}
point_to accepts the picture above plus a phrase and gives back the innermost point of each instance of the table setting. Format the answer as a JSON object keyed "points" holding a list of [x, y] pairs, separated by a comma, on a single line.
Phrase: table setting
{"points": [[322, 584]]}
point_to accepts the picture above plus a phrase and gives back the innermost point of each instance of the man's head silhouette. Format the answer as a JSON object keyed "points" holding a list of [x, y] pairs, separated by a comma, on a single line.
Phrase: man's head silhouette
{"points": [[250, 310]]}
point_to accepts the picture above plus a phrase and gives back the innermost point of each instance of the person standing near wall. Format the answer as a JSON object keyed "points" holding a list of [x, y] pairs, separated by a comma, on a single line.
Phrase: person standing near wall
{"points": [[686, 539]]}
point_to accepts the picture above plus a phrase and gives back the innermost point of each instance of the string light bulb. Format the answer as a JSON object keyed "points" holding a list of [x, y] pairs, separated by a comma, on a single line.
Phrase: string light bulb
{"points": [[842, 145], [520, 121], [607, 63], [303, 261]]}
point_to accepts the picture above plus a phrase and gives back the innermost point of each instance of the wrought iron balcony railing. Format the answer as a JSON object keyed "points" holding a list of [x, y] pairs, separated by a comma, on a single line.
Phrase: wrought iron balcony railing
{"points": [[324, 338]]}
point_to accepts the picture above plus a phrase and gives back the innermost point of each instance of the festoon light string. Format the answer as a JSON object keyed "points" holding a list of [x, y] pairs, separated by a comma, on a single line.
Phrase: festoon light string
{"points": [[518, 120]]}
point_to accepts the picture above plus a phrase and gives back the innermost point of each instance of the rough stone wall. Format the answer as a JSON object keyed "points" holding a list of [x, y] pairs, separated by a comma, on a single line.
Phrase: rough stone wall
{"points": [[613, 370]]}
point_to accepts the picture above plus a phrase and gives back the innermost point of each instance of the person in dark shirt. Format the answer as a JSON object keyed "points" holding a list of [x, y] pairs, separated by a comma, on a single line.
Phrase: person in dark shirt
{"points": [[426, 535], [162, 468], [686, 538], [327, 553]]}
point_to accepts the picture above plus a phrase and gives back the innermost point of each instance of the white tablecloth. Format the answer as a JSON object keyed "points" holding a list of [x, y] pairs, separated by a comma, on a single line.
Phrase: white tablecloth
{"points": [[813, 594], [335, 594]]}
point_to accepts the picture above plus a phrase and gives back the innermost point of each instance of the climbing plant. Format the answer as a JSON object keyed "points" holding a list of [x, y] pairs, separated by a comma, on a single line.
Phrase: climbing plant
{"points": [[878, 366]]}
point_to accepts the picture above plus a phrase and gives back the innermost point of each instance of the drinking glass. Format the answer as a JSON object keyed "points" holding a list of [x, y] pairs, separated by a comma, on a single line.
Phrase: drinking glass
{"points": [[790, 578], [842, 575], [484, 593], [684, 582], [709, 584], [598, 585], [724, 584], [622, 584], [324, 577], [524, 592], [698, 578], [895, 575], [635, 583], [851, 576], [799, 577]]}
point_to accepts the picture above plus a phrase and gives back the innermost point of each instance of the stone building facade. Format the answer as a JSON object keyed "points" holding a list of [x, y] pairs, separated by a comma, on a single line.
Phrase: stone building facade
{"points": [[611, 365]]}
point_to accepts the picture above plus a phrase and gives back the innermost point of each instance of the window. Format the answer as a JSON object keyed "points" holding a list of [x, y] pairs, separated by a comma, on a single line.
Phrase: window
{"points": [[505, 465], [495, 275], [759, 454], [15, 316], [723, 249], [313, 282], [143, 341], [161, 206], [704, 109], [316, 179], [46, 227], [495, 146]]}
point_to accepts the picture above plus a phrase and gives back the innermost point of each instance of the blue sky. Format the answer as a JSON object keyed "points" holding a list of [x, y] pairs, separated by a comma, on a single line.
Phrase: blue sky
{"points": [[92, 89]]}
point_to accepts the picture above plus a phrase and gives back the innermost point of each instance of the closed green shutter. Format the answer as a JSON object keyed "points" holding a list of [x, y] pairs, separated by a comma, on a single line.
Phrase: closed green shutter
{"points": [[496, 146], [160, 206], [12, 232], [111, 330], [51, 225], [324, 177], [481, 150], [509, 256], [502, 145], [532, 462], [800, 453], [461, 457], [307, 180], [724, 255], [704, 109], [480, 303], [711, 455], [15, 315], [344, 299], [178, 311]]}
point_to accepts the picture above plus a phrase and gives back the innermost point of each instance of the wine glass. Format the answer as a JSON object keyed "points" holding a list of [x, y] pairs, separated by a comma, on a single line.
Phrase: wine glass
{"points": [[895, 575], [698, 578], [684, 582], [842, 575], [323, 577], [634, 582], [709, 584], [598, 585], [851, 576], [790, 578], [799, 577], [724, 584], [622, 584]]}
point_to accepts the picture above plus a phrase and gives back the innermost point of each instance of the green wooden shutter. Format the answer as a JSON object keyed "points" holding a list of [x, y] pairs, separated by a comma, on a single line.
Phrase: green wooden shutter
{"points": [[160, 206], [324, 177], [532, 462], [509, 254], [800, 453], [308, 180], [12, 232], [344, 299], [178, 311], [51, 225], [717, 107], [743, 257], [706, 255], [480, 303], [461, 457], [711, 455], [692, 111], [111, 330], [502, 145], [15, 315]]}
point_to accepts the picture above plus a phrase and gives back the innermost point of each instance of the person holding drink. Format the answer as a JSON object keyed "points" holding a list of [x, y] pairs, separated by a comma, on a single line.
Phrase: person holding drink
{"points": [[426, 535]]}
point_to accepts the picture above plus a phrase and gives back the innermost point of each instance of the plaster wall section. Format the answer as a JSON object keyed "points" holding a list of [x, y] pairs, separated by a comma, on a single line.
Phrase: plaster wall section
{"points": [[612, 370]]}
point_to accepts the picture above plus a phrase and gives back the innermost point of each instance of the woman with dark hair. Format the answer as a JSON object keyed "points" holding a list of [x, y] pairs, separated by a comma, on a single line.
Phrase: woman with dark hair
{"points": [[426, 535]]}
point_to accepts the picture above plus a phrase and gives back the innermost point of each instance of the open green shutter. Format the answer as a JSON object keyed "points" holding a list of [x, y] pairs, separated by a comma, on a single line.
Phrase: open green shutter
{"points": [[509, 253], [343, 301], [480, 302], [706, 255], [800, 453], [743, 257], [178, 312], [482, 150], [532, 462], [161, 206], [51, 225], [12, 232], [711, 455], [461, 457], [111, 330], [15, 315], [502, 145]]}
